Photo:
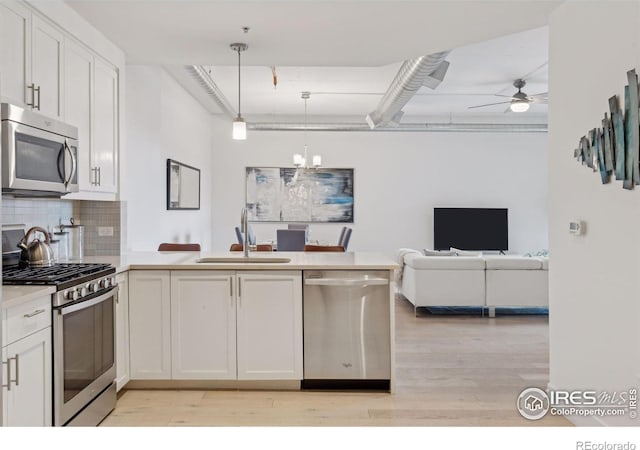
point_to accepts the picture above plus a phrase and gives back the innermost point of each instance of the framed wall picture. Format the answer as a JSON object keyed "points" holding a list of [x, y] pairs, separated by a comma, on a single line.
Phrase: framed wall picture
{"points": [[287, 194], [183, 186]]}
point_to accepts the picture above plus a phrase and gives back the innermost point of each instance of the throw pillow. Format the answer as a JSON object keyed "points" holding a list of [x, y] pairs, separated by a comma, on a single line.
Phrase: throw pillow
{"points": [[458, 252], [429, 252]]}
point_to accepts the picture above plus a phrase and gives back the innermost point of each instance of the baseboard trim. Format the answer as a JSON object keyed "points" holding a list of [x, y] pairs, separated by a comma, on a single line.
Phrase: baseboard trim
{"points": [[275, 385]]}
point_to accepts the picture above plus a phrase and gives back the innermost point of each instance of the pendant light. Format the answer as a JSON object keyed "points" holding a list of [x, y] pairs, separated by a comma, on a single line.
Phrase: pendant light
{"points": [[239, 125], [300, 161]]}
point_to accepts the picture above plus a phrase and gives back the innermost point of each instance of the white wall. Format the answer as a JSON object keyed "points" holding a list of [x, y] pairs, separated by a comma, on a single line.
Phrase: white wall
{"points": [[594, 292], [399, 179], [163, 121]]}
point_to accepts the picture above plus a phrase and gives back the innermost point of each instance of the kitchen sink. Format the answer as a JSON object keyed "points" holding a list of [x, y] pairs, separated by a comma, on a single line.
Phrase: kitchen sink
{"points": [[243, 259]]}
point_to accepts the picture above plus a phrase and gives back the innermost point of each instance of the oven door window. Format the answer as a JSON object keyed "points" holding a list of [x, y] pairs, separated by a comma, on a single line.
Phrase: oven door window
{"points": [[39, 159], [88, 346]]}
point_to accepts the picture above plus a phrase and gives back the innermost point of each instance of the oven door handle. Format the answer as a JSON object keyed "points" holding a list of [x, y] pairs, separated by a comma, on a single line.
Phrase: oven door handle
{"points": [[87, 304]]}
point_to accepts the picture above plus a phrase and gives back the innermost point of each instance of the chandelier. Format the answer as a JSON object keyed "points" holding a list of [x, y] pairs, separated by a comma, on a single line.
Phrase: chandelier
{"points": [[301, 161]]}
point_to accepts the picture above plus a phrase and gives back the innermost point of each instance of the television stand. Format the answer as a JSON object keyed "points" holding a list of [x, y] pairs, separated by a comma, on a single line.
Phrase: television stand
{"points": [[502, 252]]}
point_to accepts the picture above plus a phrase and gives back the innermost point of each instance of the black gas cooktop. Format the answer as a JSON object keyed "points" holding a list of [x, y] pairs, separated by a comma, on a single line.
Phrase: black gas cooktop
{"points": [[60, 275]]}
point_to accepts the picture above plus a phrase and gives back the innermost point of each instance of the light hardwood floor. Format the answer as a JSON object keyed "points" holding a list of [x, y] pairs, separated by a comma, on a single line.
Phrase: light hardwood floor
{"points": [[451, 371]]}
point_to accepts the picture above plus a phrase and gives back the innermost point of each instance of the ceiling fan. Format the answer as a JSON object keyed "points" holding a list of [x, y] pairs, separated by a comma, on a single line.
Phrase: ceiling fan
{"points": [[519, 102]]}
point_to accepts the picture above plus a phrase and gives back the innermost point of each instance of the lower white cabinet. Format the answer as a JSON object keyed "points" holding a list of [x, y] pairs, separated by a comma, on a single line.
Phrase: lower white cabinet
{"points": [[203, 325], [150, 324], [26, 365], [269, 326], [223, 325], [122, 331]]}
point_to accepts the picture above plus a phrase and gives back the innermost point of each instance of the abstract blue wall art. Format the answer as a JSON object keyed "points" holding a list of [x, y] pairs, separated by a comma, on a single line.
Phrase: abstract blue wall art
{"points": [[283, 194]]}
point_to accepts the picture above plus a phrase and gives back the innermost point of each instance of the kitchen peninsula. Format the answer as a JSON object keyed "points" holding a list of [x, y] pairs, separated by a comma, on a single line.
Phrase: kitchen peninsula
{"points": [[237, 324]]}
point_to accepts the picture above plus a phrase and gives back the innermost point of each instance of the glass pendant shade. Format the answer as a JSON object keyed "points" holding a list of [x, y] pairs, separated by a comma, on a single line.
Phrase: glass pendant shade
{"points": [[239, 129]]}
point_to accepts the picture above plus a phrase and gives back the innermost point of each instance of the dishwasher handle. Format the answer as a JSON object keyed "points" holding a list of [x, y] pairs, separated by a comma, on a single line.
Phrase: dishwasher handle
{"points": [[346, 282]]}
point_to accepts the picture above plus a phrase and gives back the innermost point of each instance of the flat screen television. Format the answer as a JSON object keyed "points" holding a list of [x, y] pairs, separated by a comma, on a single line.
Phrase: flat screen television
{"points": [[471, 228]]}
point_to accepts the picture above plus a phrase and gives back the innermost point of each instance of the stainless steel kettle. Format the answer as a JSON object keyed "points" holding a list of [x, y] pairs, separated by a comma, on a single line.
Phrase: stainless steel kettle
{"points": [[36, 253]]}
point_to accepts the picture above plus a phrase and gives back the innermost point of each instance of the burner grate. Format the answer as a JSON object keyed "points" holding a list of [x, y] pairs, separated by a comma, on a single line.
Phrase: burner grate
{"points": [[53, 275]]}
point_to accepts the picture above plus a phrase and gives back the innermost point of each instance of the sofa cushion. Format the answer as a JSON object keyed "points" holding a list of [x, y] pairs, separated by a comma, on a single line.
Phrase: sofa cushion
{"points": [[444, 262], [458, 252], [545, 263], [512, 263], [429, 252]]}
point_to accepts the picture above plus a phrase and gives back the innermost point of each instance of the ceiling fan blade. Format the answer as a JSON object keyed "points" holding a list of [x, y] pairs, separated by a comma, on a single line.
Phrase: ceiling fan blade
{"points": [[500, 95], [539, 98], [488, 104], [508, 110]]}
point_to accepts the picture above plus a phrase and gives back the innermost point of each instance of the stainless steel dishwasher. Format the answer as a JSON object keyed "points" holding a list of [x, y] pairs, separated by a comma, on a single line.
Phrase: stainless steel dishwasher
{"points": [[346, 326]]}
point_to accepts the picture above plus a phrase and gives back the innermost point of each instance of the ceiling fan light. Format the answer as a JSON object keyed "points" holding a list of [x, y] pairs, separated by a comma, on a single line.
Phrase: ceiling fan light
{"points": [[519, 106], [239, 129]]}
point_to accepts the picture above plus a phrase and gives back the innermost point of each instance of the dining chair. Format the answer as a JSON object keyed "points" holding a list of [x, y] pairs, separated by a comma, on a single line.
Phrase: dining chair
{"points": [[240, 236], [341, 238], [344, 241], [323, 248], [174, 247], [291, 240], [259, 248]]}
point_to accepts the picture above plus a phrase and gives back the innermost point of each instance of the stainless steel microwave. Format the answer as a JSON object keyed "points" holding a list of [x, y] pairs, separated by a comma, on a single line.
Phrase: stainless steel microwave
{"points": [[39, 154]]}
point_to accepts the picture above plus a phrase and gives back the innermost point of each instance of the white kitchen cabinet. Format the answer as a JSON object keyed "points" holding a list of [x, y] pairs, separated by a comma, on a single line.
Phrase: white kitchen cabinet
{"points": [[203, 325], [91, 104], [208, 310], [78, 101], [269, 326], [104, 147], [26, 364], [47, 59], [15, 52], [150, 324], [122, 331]]}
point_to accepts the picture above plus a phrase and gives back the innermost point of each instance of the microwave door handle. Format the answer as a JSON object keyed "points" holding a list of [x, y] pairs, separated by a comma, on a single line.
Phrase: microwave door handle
{"points": [[74, 164]]}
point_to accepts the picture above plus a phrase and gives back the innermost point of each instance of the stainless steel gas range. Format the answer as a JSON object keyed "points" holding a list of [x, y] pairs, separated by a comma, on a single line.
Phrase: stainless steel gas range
{"points": [[83, 309]]}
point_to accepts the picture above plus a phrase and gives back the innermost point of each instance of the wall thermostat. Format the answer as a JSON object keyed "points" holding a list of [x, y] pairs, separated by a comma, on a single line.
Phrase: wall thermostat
{"points": [[576, 227]]}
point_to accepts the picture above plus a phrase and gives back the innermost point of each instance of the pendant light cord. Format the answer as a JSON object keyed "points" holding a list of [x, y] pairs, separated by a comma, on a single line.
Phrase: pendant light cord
{"points": [[239, 82], [305, 131]]}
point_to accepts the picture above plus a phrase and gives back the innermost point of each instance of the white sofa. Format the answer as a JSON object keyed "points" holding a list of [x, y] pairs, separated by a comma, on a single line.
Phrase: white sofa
{"points": [[486, 281]]}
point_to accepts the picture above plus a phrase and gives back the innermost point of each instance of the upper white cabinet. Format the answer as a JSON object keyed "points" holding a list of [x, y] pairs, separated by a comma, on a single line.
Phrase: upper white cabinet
{"points": [[47, 50], [32, 58], [208, 309], [15, 52], [78, 101], [91, 104], [104, 149], [45, 66]]}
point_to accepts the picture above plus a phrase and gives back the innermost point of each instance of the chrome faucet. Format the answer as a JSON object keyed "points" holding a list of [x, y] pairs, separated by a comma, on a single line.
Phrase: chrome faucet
{"points": [[244, 227]]}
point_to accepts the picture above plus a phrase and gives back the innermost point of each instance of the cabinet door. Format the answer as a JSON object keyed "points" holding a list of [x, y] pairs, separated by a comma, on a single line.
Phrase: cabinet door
{"points": [[122, 331], [47, 46], [104, 149], [78, 99], [149, 325], [203, 325], [15, 53], [269, 323], [28, 403]]}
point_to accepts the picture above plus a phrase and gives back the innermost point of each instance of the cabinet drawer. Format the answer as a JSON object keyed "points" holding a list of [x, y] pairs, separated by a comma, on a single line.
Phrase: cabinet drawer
{"points": [[27, 318]]}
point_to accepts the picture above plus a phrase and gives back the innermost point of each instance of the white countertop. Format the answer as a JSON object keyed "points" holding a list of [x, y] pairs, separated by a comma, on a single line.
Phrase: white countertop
{"points": [[12, 295], [299, 261]]}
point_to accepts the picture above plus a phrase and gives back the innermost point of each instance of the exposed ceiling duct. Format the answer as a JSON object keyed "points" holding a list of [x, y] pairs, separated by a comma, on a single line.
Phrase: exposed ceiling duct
{"points": [[200, 80], [428, 127], [428, 70], [203, 78]]}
